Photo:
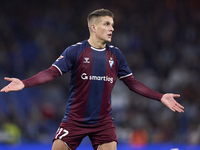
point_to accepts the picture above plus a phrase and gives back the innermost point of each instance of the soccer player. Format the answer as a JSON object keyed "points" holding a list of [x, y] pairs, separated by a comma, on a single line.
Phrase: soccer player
{"points": [[94, 67]]}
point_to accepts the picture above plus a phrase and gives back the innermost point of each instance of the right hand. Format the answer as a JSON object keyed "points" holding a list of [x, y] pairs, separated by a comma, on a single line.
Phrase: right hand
{"points": [[14, 85]]}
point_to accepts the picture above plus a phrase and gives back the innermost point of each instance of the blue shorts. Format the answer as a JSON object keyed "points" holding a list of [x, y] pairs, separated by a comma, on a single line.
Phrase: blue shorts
{"points": [[72, 135]]}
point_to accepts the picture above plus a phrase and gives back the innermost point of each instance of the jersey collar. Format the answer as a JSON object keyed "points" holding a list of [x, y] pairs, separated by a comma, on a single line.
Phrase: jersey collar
{"points": [[96, 49]]}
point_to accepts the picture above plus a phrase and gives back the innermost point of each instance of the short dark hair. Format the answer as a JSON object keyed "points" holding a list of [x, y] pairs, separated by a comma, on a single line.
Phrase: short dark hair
{"points": [[100, 13]]}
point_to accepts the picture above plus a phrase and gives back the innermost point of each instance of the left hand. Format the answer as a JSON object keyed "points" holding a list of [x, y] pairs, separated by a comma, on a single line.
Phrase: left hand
{"points": [[171, 103]]}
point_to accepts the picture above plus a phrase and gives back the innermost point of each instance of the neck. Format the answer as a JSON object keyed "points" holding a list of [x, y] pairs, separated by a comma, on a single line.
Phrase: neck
{"points": [[96, 43]]}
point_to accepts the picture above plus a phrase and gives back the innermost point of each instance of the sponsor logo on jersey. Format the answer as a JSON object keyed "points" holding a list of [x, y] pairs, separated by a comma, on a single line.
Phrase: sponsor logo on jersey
{"points": [[59, 58], [111, 62], [84, 76], [86, 60]]}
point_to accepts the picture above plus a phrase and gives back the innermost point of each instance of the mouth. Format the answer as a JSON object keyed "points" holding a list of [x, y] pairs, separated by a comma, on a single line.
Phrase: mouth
{"points": [[110, 35]]}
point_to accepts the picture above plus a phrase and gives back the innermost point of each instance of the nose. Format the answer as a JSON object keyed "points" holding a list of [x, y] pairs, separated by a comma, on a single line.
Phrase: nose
{"points": [[111, 28]]}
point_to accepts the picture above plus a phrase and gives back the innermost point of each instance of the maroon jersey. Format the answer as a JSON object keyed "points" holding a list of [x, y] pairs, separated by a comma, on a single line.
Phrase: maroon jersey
{"points": [[93, 73]]}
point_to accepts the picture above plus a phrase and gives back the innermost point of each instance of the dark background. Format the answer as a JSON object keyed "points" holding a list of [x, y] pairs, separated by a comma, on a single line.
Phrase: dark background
{"points": [[159, 38]]}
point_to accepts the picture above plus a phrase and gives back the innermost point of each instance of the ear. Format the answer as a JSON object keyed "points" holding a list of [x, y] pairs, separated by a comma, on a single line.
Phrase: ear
{"points": [[93, 28]]}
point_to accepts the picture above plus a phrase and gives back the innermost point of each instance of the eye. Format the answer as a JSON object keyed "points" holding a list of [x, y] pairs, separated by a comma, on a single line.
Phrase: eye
{"points": [[107, 23]]}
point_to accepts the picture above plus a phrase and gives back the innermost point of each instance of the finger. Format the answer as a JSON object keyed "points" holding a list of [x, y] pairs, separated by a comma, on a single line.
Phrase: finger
{"points": [[3, 89], [178, 109], [172, 109], [8, 89], [8, 79], [179, 105], [176, 95]]}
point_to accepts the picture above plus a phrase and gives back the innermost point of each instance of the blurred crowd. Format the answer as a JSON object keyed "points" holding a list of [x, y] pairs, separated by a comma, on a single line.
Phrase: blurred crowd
{"points": [[161, 43]]}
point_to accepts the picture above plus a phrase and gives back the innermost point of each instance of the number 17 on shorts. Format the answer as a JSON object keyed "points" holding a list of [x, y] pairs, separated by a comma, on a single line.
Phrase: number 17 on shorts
{"points": [[61, 133]]}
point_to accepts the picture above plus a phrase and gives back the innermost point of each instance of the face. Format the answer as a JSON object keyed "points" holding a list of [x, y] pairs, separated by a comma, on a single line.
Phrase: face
{"points": [[104, 29]]}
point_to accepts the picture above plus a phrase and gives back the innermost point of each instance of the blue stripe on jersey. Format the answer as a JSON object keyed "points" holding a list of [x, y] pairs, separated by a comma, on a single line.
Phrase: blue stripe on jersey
{"points": [[95, 95], [69, 105]]}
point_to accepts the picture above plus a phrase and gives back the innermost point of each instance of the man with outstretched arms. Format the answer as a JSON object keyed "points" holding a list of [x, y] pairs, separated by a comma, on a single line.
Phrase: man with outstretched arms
{"points": [[94, 67]]}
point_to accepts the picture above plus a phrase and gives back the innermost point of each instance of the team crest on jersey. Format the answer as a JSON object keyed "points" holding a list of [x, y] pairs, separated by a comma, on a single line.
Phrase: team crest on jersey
{"points": [[86, 60], [111, 62], [59, 58]]}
